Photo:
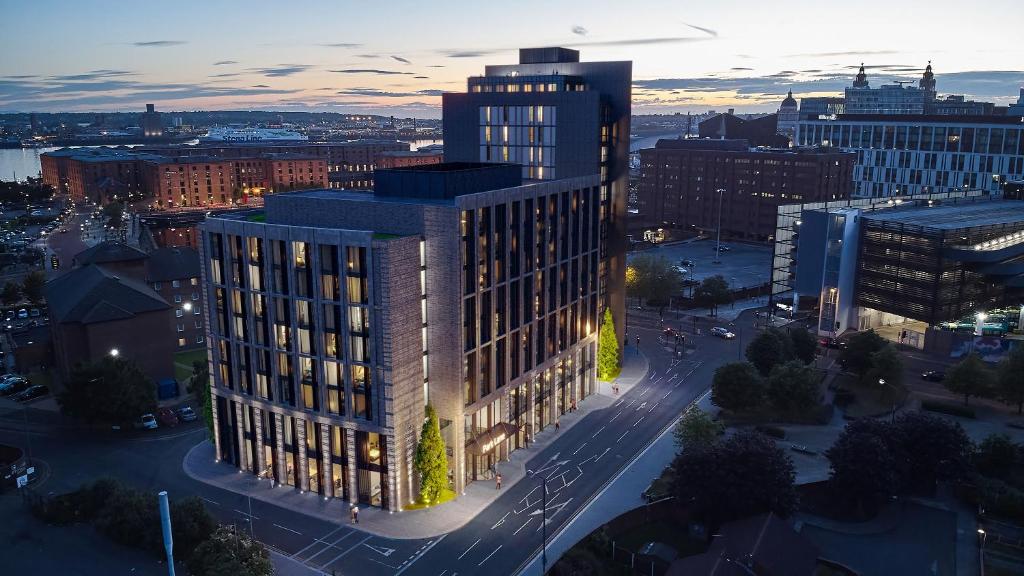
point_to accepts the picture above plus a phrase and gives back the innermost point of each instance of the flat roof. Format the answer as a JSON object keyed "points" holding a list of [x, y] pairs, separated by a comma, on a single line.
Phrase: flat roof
{"points": [[954, 215]]}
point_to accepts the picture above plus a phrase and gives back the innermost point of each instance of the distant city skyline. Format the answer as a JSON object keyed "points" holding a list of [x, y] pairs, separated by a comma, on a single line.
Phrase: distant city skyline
{"points": [[399, 57]]}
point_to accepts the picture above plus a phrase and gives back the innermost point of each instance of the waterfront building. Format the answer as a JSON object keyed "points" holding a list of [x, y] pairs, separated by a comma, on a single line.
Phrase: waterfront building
{"points": [[788, 117], [152, 123]]}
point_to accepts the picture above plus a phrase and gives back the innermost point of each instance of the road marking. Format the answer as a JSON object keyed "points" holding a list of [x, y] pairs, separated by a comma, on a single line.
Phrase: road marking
{"points": [[383, 551], [606, 450], [666, 394], [320, 540], [288, 529], [345, 553], [620, 437], [247, 515], [528, 520], [674, 376], [653, 407], [641, 407], [489, 555], [211, 501], [580, 448], [616, 416], [470, 548], [598, 432], [502, 521], [630, 405], [332, 545], [420, 554]]}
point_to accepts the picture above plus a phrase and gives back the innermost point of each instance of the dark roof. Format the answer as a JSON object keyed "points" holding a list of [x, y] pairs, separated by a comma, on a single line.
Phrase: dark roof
{"points": [[763, 545], [733, 144], [953, 215], [92, 294], [109, 251], [166, 264]]}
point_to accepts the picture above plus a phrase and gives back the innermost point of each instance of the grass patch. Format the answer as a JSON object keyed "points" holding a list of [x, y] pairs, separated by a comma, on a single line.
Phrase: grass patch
{"points": [[183, 363], [664, 531], [868, 401], [817, 416], [946, 408], [446, 495], [44, 378]]}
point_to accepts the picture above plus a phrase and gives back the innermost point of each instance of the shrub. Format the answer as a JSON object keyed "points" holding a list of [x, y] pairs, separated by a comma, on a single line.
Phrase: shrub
{"points": [[773, 431], [951, 409]]}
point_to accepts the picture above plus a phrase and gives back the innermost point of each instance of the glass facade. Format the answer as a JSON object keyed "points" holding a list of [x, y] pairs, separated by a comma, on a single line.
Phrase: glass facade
{"points": [[521, 135]]}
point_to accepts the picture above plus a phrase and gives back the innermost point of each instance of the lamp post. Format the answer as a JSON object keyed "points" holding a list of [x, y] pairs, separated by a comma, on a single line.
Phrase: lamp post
{"points": [[718, 232], [883, 384]]}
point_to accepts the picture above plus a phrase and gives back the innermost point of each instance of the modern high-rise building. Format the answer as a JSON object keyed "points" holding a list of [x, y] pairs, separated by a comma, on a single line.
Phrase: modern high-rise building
{"points": [[558, 118], [337, 316]]}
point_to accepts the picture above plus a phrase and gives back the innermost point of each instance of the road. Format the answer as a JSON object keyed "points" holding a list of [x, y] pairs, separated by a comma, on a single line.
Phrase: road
{"points": [[500, 540]]}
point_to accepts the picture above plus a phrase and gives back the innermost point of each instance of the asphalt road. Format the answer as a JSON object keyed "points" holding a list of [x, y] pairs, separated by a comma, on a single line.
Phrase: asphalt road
{"points": [[500, 540]]}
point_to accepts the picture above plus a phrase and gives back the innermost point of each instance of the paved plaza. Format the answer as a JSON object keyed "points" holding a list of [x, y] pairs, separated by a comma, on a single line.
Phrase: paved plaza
{"points": [[742, 265]]}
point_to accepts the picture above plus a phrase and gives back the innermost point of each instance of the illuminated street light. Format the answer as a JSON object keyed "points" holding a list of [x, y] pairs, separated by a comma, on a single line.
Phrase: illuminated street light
{"points": [[187, 306], [114, 352]]}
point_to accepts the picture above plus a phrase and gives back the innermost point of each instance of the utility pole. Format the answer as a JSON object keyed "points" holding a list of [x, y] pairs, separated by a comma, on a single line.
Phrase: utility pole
{"points": [[718, 232], [165, 525]]}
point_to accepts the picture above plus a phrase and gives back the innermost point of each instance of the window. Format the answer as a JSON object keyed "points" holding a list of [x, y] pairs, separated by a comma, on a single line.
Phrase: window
{"points": [[177, 298], [178, 313], [199, 324], [181, 327], [176, 283], [194, 281], [181, 342], [195, 296], [199, 339], [197, 310], [157, 286]]}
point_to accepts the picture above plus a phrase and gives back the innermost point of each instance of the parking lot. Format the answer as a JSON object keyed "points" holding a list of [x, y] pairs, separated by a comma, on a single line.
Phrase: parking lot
{"points": [[742, 265]]}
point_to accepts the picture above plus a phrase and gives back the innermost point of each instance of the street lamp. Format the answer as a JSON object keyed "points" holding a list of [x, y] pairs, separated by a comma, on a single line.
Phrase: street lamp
{"points": [[982, 535], [114, 352], [882, 383], [544, 522], [187, 306], [718, 232]]}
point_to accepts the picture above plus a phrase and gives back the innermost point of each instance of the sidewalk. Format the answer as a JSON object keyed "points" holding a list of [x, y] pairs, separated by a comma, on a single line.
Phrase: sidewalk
{"points": [[200, 465]]}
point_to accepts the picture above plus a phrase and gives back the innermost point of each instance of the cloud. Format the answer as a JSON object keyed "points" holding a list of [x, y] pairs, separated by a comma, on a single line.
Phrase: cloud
{"points": [[224, 62], [282, 69], [225, 75], [436, 66], [159, 43], [579, 30], [470, 53], [641, 41], [708, 31], [843, 53], [421, 77], [386, 93], [367, 55], [260, 86], [369, 71], [93, 75], [400, 59], [342, 45], [739, 68]]}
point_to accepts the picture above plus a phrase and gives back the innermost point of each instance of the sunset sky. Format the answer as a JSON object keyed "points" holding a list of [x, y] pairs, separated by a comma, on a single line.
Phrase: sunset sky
{"points": [[396, 57]]}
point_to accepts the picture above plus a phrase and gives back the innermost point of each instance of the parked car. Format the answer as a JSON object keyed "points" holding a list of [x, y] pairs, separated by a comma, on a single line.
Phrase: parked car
{"points": [[724, 248], [35, 313], [13, 386], [186, 414], [166, 417], [31, 393], [834, 343], [669, 332], [934, 376], [722, 333], [146, 422], [22, 314], [686, 262]]}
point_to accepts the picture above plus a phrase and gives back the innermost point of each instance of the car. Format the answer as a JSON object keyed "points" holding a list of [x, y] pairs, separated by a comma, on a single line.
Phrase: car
{"points": [[35, 313], [166, 417], [146, 422], [63, 230], [13, 386], [31, 393], [933, 376], [681, 270], [23, 313], [9, 316], [669, 332], [687, 263], [722, 333], [834, 343], [186, 414]]}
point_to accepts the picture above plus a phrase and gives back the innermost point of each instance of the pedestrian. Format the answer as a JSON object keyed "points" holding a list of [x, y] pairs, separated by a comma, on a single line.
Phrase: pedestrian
{"points": [[352, 514], [355, 514], [497, 481], [637, 341], [557, 425]]}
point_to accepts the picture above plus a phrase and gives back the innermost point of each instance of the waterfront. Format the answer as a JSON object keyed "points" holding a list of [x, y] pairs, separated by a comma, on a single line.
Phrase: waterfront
{"points": [[19, 163]]}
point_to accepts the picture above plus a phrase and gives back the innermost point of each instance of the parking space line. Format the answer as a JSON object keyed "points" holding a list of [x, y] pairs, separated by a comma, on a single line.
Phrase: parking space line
{"points": [[318, 540], [332, 545], [345, 553]]}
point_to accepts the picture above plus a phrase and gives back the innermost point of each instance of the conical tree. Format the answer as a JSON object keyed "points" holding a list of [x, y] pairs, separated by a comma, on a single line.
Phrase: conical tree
{"points": [[607, 349], [431, 461]]}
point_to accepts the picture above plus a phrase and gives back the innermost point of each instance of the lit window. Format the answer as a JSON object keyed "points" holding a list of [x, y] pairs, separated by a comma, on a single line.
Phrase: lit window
{"points": [[176, 283], [178, 313]]}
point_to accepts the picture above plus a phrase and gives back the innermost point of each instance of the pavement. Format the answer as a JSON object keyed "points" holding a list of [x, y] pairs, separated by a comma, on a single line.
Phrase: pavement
{"points": [[742, 265]]}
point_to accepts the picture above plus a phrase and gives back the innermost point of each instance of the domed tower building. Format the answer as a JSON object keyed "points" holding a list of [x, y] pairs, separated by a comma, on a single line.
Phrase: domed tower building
{"points": [[927, 82], [861, 81], [788, 117]]}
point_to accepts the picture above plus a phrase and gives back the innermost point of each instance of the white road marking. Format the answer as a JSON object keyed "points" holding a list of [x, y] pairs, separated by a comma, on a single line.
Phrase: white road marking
{"points": [[332, 545], [247, 515], [489, 555], [616, 416], [345, 553], [580, 448], [320, 540], [620, 437], [528, 520], [606, 450], [288, 529], [421, 553], [666, 394], [470, 548], [653, 407], [500, 522], [598, 432], [381, 550], [641, 406], [211, 501], [637, 422]]}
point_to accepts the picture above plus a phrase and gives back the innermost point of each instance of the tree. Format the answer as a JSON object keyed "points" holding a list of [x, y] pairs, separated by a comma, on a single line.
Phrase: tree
{"points": [[932, 448], [1010, 382], [607, 348], [864, 469], [805, 347], [230, 551], [32, 286], [110, 391], [793, 387], [713, 290], [769, 349], [655, 280], [886, 364], [696, 429], [996, 456], [191, 523], [856, 357], [969, 377], [11, 294], [431, 462], [130, 517], [745, 474], [200, 386], [737, 386]]}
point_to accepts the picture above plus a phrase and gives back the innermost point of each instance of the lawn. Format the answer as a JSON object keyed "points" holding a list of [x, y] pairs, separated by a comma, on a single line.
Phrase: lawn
{"points": [[870, 401], [183, 363], [664, 531]]}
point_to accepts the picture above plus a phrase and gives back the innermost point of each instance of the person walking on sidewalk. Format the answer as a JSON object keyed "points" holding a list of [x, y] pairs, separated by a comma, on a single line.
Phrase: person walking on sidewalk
{"points": [[497, 481], [355, 514]]}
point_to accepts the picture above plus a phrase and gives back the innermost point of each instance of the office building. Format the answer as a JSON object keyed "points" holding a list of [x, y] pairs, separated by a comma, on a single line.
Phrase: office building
{"points": [[1017, 109], [152, 123], [680, 182], [558, 118], [338, 315], [788, 116]]}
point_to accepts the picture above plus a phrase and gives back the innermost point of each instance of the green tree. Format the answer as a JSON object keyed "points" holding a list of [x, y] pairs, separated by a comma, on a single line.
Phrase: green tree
{"points": [[864, 467], [886, 364], [856, 357], [32, 286], [191, 523], [793, 387], [110, 391], [654, 279], [199, 384], [1010, 381], [11, 294], [745, 474], [769, 349], [804, 345], [230, 551], [130, 517], [932, 449], [969, 377], [696, 429], [114, 212], [737, 387], [607, 348], [431, 462], [996, 456], [712, 292]]}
